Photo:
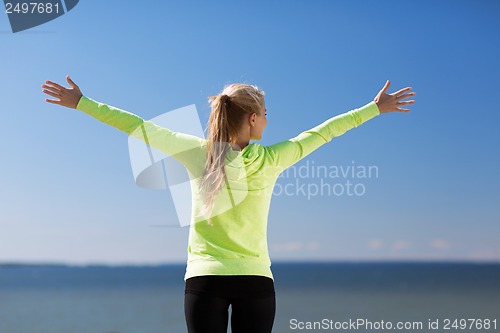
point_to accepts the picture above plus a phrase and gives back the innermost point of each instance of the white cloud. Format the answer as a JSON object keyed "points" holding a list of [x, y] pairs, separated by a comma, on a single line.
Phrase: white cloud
{"points": [[401, 245], [313, 245], [375, 244], [484, 254], [440, 244], [293, 246]]}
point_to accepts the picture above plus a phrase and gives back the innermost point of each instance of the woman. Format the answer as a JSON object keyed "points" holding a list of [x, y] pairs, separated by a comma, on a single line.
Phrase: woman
{"points": [[228, 261]]}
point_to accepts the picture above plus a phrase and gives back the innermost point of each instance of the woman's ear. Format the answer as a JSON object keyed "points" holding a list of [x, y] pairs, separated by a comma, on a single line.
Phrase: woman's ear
{"points": [[252, 118]]}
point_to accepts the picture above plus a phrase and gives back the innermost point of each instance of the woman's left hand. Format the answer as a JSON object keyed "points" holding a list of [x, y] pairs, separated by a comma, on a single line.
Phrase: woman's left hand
{"points": [[68, 97]]}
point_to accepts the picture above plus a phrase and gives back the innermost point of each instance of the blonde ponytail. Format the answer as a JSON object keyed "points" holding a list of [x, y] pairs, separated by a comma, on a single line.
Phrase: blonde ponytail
{"points": [[226, 116]]}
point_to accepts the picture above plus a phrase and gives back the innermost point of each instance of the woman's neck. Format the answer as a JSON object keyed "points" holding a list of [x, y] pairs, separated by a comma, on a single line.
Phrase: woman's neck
{"points": [[239, 145]]}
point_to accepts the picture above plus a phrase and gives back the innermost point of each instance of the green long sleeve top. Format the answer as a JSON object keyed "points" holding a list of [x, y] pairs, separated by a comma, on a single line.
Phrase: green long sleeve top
{"points": [[235, 243]]}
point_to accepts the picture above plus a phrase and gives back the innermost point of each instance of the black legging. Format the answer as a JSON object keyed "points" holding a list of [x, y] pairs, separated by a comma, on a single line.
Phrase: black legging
{"points": [[207, 299]]}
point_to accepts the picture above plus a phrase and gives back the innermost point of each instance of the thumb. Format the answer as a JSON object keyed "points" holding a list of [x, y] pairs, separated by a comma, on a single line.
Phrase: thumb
{"points": [[385, 88], [71, 83]]}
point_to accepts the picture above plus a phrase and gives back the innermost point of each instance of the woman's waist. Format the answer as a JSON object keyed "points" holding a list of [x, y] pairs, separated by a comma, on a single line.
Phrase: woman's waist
{"points": [[231, 286], [207, 265]]}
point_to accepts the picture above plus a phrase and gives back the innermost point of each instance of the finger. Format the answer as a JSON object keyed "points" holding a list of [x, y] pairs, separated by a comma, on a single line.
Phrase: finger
{"points": [[405, 96], [405, 102], [402, 91], [46, 86], [403, 110], [56, 85], [52, 101], [51, 93], [54, 93], [51, 89]]}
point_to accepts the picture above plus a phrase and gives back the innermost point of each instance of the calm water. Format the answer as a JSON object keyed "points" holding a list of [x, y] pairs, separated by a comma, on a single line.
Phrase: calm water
{"points": [[100, 299]]}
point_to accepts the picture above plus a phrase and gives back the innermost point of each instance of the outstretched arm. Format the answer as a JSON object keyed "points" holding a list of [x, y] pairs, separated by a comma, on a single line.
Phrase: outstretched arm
{"points": [[73, 98], [183, 147], [289, 152]]}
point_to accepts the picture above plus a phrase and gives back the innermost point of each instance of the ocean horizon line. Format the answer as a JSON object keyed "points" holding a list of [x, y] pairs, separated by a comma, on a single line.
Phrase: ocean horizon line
{"points": [[18, 263]]}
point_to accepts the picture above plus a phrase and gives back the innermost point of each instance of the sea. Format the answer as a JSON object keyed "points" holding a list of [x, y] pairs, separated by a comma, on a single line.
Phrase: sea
{"points": [[310, 297]]}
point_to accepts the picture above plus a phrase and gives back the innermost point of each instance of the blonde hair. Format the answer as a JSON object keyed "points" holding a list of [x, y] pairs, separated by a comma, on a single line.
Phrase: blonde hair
{"points": [[226, 117]]}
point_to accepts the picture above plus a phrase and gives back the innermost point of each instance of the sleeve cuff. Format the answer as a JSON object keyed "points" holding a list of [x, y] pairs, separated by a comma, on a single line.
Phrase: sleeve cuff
{"points": [[84, 100], [368, 111]]}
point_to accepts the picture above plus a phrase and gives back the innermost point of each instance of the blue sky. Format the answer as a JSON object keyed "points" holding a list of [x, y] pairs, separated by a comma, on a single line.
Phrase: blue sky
{"points": [[68, 193]]}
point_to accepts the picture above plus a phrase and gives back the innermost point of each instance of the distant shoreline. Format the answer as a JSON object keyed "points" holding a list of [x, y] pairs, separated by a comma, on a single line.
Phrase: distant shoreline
{"points": [[274, 263]]}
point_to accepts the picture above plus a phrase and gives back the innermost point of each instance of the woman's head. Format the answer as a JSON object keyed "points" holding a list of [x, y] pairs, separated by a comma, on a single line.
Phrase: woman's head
{"points": [[238, 115]]}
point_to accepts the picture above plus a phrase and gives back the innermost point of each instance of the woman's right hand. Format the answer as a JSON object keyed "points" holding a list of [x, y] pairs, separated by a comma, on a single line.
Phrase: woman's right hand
{"points": [[393, 102], [68, 97]]}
